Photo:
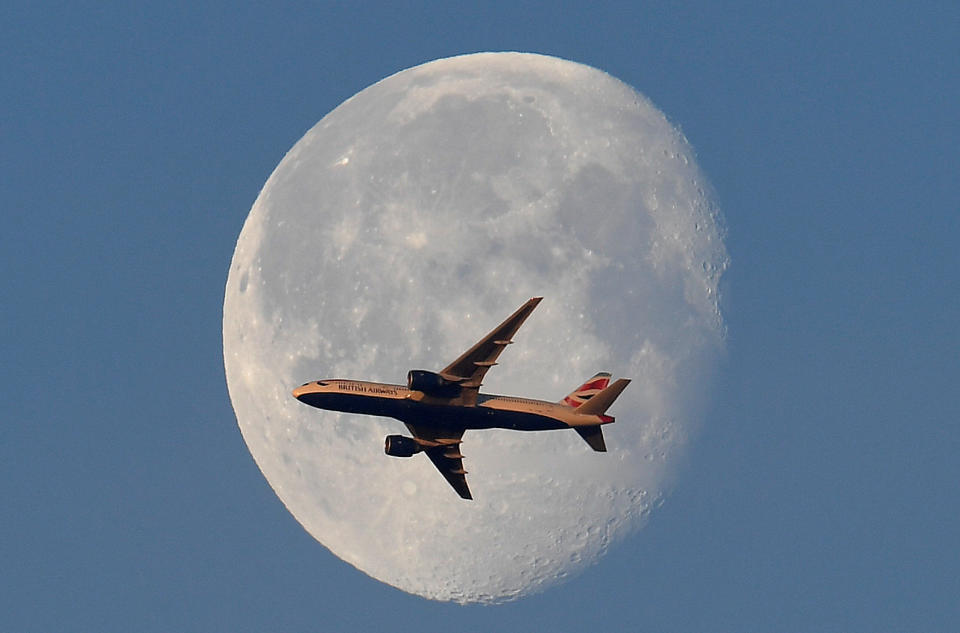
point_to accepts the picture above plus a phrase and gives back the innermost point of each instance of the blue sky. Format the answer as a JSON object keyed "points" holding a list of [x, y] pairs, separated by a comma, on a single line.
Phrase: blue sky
{"points": [[822, 493]]}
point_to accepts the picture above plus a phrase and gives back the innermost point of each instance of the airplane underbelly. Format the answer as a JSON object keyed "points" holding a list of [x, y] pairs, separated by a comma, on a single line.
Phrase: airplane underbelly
{"points": [[518, 421], [350, 403], [479, 418]]}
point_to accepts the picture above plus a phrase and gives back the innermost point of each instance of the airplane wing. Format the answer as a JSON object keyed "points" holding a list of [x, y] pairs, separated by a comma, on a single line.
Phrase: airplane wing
{"points": [[443, 449], [470, 368]]}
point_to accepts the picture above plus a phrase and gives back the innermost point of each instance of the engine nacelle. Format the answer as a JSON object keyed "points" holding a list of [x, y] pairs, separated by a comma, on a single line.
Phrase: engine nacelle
{"points": [[401, 446], [432, 384]]}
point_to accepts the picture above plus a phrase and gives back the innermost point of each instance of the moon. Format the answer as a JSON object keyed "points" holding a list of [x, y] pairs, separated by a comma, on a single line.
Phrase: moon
{"points": [[404, 226]]}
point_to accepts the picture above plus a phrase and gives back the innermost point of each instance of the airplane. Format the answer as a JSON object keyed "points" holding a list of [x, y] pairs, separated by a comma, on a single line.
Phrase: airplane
{"points": [[438, 407]]}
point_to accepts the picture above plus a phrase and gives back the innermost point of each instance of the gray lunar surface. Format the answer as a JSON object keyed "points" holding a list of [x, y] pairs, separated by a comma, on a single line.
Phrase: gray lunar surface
{"points": [[405, 225]]}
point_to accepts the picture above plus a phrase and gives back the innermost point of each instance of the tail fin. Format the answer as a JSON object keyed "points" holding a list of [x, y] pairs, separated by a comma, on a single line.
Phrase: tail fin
{"points": [[587, 390], [599, 403]]}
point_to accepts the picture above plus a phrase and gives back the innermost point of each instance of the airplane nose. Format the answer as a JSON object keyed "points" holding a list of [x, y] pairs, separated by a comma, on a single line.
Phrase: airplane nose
{"points": [[299, 391]]}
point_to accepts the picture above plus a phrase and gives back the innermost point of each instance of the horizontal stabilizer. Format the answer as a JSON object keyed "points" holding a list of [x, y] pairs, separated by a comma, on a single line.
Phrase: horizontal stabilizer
{"points": [[599, 404], [593, 436]]}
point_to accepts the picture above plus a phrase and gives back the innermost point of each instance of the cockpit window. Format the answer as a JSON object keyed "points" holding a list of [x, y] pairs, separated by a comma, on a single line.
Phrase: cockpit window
{"points": [[321, 383]]}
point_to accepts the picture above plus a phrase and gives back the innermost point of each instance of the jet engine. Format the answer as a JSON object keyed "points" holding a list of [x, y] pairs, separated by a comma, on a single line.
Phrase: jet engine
{"points": [[401, 446], [431, 384]]}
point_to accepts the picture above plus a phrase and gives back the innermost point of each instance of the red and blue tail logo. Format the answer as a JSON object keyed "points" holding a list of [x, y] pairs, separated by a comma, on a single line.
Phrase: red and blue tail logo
{"points": [[587, 390]]}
